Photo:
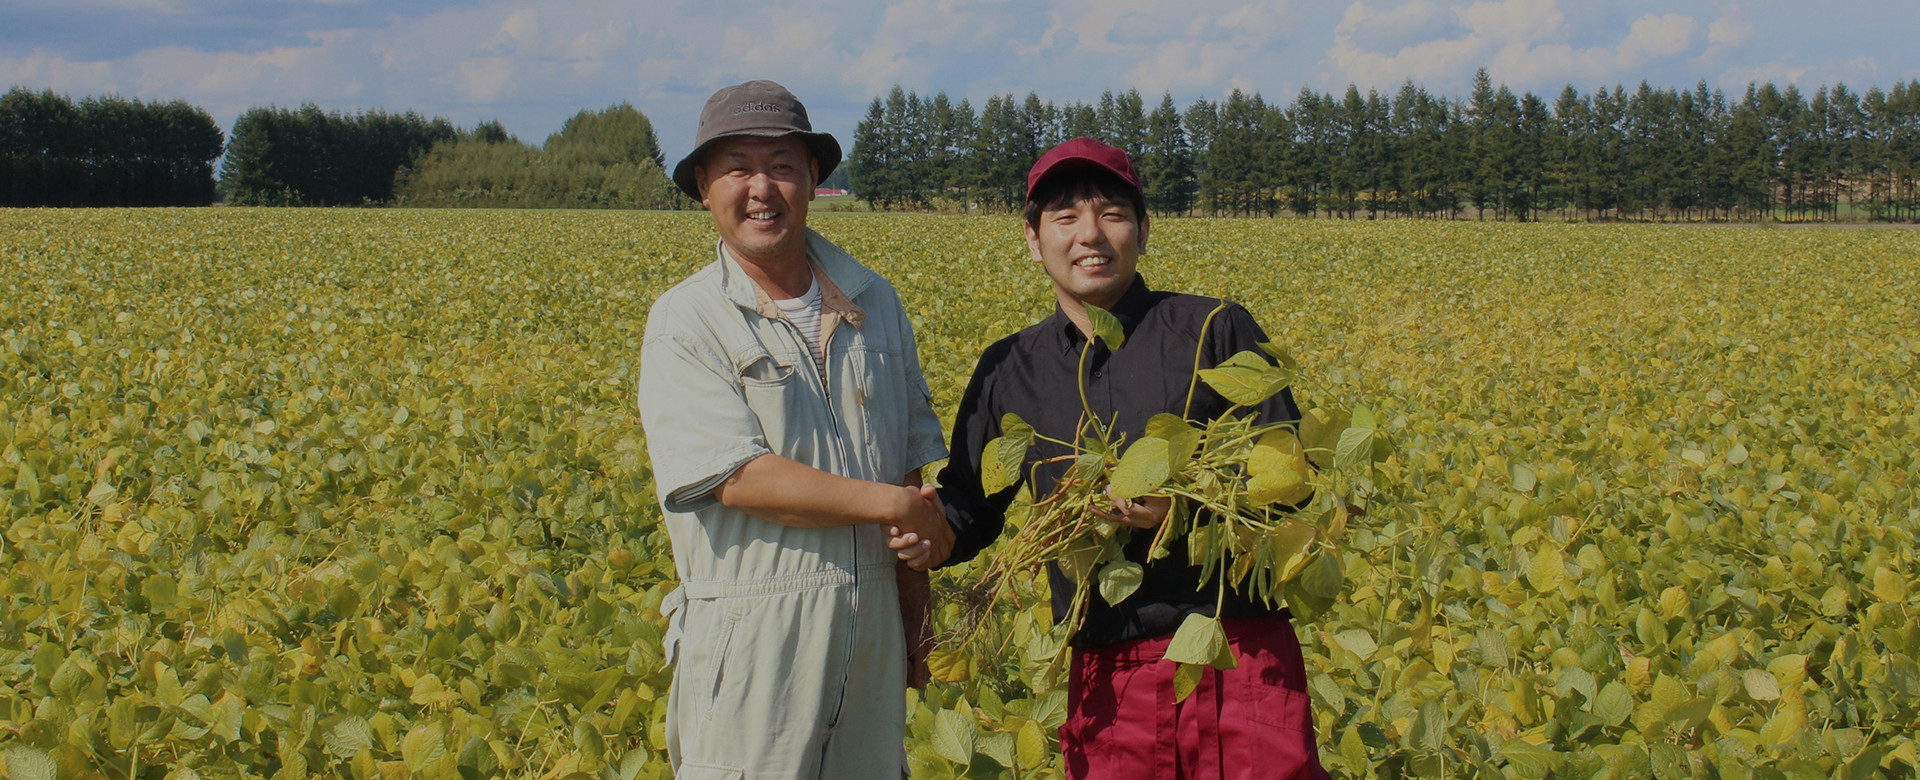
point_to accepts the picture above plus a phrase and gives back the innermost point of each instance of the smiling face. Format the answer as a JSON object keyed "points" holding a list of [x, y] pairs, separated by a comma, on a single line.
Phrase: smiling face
{"points": [[757, 190], [1089, 246]]}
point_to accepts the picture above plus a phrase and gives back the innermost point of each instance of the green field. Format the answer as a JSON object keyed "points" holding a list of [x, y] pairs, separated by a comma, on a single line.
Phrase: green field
{"points": [[293, 492]]}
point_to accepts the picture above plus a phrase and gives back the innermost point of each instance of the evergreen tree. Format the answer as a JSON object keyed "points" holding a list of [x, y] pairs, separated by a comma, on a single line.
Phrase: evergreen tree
{"points": [[1528, 172], [1202, 123], [1315, 153], [1123, 120], [870, 166], [1043, 123], [1079, 120], [948, 130], [1653, 153], [1233, 152], [1166, 161], [1483, 183], [281, 157], [104, 151], [1005, 148]]}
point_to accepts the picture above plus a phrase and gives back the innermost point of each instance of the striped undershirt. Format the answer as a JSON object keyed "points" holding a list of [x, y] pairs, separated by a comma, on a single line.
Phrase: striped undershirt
{"points": [[804, 312]]}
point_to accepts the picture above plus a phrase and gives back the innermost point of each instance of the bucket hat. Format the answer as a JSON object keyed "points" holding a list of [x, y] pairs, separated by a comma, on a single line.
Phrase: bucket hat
{"points": [[760, 109]]}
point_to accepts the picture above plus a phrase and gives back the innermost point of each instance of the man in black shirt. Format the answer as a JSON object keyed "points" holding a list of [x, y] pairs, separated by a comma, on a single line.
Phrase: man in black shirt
{"points": [[1087, 226]]}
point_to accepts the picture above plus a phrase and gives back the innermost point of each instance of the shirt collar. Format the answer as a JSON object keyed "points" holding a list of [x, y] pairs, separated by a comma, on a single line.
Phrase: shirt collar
{"points": [[831, 299], [1129, 310], [840, 277]]}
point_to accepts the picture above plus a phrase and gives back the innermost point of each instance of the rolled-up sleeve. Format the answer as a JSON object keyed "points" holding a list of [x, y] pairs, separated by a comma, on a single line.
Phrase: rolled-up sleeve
{"points": [[698, 425]]}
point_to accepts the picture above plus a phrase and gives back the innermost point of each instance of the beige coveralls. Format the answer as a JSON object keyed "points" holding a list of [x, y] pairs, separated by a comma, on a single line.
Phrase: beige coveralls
{"points": [[789, 659]]}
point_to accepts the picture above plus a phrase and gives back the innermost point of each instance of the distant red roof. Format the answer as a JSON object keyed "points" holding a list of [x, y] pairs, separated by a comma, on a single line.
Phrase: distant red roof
{"points": [[829, 191]]}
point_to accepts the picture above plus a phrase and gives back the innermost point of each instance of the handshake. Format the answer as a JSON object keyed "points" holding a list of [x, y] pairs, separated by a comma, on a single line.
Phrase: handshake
{"points": [[917, 531]]}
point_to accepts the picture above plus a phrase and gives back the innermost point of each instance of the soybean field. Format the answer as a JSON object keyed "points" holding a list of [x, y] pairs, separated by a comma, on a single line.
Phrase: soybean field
{"points": [[364, 493]]}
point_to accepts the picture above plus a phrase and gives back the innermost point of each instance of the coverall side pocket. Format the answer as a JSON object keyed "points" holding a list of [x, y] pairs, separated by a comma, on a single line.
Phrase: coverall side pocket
{"points": [[709, 772], [717, 661]]}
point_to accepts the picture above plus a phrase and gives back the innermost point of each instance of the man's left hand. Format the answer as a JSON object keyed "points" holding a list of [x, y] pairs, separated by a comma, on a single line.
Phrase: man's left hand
{"points": [[1142, 512]]}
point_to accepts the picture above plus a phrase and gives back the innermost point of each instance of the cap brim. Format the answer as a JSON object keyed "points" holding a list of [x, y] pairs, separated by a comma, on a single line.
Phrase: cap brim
{"points": [[826, 152], [1072, 164]]}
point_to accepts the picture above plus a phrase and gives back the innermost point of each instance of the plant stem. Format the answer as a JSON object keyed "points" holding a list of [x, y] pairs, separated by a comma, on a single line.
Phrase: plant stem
{"points": [[1199, 349], [1081, 380]]}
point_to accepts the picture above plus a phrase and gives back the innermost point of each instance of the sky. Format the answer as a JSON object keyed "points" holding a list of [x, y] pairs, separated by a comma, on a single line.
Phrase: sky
{"points": [[530, 65]]}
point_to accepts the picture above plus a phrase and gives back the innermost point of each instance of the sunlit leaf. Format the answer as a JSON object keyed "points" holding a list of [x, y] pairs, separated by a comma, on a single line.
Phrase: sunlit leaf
{"points": [[1120, 579], [1143, 468], [954, 736], [1181, 437], [1000, 464], [1201, 640], [424, 746], [1107, 327]]}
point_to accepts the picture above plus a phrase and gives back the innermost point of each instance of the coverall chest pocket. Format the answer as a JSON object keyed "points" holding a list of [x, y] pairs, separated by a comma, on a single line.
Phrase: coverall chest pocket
{"points": [[773, 390]]}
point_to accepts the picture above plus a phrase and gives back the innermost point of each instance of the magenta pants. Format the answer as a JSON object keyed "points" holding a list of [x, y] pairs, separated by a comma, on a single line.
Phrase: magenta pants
{"points": [[1253, 721]]}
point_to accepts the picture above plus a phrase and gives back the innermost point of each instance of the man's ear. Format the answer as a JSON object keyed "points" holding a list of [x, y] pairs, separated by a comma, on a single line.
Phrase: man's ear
{"points": [[1033, 242], [700, 182], [813, 176], [1143, 234]]}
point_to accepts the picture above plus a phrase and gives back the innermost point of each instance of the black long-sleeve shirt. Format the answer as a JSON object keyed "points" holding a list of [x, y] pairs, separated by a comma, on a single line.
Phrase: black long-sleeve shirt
{"points": [[1033, 374]]}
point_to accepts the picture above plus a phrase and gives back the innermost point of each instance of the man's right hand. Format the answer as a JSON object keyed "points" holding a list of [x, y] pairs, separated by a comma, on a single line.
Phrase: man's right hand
{"points": [[921, 537]]}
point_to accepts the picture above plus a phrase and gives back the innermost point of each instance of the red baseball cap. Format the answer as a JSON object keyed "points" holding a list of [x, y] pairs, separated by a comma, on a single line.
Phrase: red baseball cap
{"points": [[1083, 151]]}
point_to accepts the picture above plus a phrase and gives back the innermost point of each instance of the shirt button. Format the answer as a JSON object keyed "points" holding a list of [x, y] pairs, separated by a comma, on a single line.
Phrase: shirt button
{"points": [[1096, 373]]}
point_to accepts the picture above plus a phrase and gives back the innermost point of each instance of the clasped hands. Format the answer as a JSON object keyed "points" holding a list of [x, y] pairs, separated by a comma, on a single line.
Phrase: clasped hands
{"points": [[922, 539], [920, 535]]}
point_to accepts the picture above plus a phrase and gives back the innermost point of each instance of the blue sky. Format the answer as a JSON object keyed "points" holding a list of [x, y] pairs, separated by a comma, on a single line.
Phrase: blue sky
{"points": [[532, 64]]}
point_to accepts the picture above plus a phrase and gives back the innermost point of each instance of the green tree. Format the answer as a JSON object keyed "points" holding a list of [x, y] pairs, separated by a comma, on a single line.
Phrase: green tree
{"points": [[615, 135], [1003, 149], [1166, 161], [1202, 123], [870, 163]]}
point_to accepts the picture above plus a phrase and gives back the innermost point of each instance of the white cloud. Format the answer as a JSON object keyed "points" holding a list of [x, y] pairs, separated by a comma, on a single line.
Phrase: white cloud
{"points": [[1093, 30], [1728, 32], [1506, 22], [43, 70], [166, 7], [520, 26], [484, 79], [1393, 28], [1523, 41], [1655, 37], [1205, 45], [1781, 73], [1858, 73], [589, 51], [532, 64]]}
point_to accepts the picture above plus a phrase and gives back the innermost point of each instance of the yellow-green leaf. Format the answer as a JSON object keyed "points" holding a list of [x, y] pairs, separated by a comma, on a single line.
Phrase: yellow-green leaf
{"points": [[1143, 469]]}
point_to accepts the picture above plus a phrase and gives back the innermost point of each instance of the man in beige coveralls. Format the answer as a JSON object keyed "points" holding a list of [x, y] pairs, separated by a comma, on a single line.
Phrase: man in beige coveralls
{"points": [[787, 422]]}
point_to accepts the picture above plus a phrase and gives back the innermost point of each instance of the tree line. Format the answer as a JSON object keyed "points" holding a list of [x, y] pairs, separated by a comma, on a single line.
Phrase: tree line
{"points": [[1647, 153], [104, 151], [110, 151], [308, 157], [599, 159], [290, 157]]}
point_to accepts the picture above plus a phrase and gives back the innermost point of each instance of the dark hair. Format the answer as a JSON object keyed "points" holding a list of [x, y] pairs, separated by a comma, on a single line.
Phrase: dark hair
{"points": [[1070, 186]]}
